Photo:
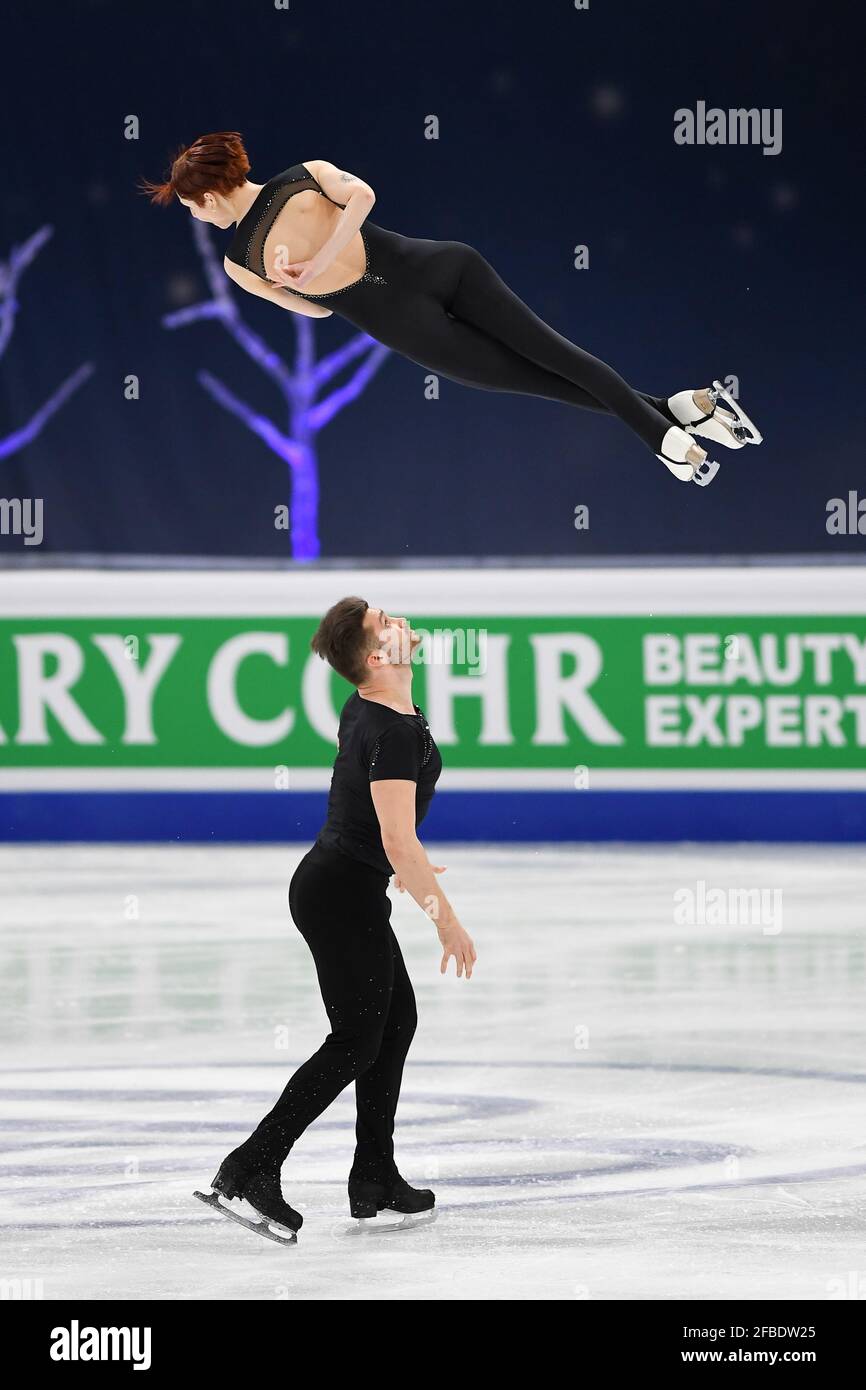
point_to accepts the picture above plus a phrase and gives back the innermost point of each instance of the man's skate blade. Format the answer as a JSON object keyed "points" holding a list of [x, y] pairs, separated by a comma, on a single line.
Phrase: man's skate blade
{"points": [[388, 1222], [742, 418], [271, 1230]]}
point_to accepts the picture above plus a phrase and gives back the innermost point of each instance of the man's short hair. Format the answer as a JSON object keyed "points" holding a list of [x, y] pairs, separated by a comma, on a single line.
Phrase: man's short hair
{"points": [[342, 640]]}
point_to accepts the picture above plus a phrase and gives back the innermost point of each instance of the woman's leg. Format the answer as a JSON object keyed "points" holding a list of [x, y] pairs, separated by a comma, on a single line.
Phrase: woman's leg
{"points": [[481, 299], [342, 911], [465, 354]]}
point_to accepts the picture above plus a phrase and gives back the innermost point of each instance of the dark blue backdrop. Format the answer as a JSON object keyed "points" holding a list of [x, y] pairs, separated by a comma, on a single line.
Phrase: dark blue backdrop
{"points": [[556, 129]]}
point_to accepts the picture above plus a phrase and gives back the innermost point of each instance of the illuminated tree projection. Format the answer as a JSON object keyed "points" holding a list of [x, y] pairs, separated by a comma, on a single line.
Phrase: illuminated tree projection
{"points": [[11, 271], [299, 385]]}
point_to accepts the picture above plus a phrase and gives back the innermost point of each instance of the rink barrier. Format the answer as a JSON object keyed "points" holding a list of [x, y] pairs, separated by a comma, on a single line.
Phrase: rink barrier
{"points": [[471, 817], [714, 703]]}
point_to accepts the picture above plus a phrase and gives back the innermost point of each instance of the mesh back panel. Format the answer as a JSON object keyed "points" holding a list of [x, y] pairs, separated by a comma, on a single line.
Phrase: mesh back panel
{"points": [[294, 180]]}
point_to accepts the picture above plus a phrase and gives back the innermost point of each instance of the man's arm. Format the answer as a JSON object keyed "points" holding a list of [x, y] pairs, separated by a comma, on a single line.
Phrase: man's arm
{"points": [[246, 280], [394, 802]]}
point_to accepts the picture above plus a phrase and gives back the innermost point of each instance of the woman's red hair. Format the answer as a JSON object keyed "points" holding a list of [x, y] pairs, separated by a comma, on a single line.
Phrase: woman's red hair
{"points": [[212, 164]]}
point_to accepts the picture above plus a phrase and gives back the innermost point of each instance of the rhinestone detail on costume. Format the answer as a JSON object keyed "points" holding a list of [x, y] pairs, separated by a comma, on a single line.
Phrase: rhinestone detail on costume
{"points": [[368, 276], [428, 742], [253, 233]]}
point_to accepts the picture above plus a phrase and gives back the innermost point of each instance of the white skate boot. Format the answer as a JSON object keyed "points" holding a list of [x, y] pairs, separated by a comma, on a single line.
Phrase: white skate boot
{"points": [[732, 427], [676, 445]]}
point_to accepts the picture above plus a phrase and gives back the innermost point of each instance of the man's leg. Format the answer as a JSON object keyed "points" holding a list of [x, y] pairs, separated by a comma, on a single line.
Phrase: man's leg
{"points": [[377, 1090], [344, 922]]}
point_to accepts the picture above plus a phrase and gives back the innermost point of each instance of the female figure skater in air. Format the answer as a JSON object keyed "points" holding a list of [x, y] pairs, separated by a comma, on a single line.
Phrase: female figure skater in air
{"points": [[303, 241], [384, 778]]}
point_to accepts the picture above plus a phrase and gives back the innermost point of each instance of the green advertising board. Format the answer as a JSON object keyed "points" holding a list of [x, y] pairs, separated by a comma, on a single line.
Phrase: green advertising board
{"points": [[500, 691], [160, 674]]}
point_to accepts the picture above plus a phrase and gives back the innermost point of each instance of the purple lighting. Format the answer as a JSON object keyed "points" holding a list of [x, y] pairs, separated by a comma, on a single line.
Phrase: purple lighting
{"points": [[10, 273], [299, 385]]}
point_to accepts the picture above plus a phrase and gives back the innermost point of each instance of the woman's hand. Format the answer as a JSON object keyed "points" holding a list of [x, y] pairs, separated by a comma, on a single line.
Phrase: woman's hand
{"points": [[298, 273], [457, 943], [400, 885]]}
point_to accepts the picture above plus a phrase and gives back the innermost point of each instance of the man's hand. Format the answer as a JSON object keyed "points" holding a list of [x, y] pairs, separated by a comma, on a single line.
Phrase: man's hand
{"points": [[457, 943], [400, 885]]}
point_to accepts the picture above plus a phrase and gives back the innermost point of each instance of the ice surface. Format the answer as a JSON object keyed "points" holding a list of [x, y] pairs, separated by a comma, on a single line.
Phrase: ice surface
{"points": [[615, 1106]]}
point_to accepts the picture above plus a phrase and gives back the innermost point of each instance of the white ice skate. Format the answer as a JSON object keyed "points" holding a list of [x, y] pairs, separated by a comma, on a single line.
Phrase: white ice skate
{"points": [[675, 447], [732, 427]]}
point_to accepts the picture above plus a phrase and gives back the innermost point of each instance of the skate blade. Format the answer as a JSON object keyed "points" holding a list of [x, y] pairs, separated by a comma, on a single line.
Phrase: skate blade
{"points": [[722, 429], [262, 1226], [742, 417], [376, 1226], [705, 472]]}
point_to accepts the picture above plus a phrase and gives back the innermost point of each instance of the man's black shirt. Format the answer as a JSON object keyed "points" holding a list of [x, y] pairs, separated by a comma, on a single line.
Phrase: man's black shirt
{"points": [[376, 743]]}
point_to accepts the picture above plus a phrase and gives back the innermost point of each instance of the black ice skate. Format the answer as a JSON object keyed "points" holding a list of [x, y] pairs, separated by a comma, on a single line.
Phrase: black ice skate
{"points": [[368, 1199], [260, 1208]]}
